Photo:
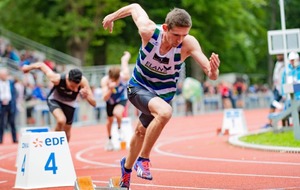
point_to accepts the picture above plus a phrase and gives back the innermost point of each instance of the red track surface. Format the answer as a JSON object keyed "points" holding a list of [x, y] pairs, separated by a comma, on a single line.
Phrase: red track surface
{"points": [[188, 155]]}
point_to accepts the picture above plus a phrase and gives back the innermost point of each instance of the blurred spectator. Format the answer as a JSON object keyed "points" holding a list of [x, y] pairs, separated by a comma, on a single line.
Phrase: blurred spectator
{"points": [[39, 93], [99, 101], [240, 88], [8, 108], [25, 58], [292, 74], [226, 93], [277, 80], [3, 43], [20, 97], [28, 90], [11, 53], [191, 91]]}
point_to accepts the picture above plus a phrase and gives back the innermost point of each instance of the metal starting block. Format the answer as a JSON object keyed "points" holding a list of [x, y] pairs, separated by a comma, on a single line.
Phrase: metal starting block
{"points": [[86, 183]]}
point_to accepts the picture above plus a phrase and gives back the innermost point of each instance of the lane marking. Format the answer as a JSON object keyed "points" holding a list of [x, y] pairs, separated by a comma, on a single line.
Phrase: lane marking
{"points": [[161, 186], [80, 158], [158, 149]]}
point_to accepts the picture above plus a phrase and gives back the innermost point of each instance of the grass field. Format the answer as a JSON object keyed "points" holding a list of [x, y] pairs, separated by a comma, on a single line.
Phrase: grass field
{"points": [[284, 138]]}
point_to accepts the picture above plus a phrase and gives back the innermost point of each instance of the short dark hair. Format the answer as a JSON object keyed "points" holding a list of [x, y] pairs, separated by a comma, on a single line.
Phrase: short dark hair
{"points": [[178, 18], [75, 75]]}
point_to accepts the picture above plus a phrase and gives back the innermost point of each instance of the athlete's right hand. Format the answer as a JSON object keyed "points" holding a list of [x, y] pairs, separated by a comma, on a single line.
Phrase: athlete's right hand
{"points": [[126, 56], [108, 23], [84, 93]]}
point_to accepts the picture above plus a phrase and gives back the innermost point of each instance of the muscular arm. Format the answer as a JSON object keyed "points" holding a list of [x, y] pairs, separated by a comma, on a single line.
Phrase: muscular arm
{"points": [[124, 66], [106, 90], [87, 91], [52, 76], [191, 47], [139, 16]]}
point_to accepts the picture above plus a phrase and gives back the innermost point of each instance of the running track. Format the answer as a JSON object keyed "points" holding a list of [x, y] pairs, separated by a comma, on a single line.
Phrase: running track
{"points": [[188, 155]]}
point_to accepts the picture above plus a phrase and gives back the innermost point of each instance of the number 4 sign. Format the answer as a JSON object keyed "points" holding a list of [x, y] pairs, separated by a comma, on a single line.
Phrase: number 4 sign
{"points": [[45, 161]]}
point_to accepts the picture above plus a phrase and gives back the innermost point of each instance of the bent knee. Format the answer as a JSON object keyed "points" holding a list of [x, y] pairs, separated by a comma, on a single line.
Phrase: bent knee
{"points": [[61, 122], [140, 132], [166, 112]]}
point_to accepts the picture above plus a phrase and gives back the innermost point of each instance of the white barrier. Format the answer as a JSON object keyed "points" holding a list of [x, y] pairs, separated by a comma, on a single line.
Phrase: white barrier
{"points": [[234, 121], [45, 161]]}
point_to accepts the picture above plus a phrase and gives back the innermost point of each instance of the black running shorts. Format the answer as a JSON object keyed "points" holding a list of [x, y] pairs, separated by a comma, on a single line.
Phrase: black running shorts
{"points": [[68, 110], [110, 107], [140, 97]]}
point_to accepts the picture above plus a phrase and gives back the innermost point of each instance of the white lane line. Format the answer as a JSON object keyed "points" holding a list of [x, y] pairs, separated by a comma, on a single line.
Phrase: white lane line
{"points": [[7, 171], [80, 158], [160, 186], [158, 149], [2, 157]]}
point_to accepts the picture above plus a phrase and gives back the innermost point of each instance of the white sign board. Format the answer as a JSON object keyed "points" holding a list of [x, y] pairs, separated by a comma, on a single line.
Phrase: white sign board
{"points": [[37, 129], [276, 41], [234, 121], [44, 161]]}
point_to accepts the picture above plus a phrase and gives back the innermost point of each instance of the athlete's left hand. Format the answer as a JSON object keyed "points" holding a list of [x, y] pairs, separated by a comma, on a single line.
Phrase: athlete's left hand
{"points": [[84, 93]]}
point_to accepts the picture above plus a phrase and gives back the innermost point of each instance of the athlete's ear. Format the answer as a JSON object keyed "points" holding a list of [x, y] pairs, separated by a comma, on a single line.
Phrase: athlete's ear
{"points": [[165, 27]]}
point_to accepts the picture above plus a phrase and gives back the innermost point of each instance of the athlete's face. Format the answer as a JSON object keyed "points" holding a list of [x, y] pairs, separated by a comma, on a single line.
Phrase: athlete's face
{"points": [[176, 35], [73, 86], [115, 81]]}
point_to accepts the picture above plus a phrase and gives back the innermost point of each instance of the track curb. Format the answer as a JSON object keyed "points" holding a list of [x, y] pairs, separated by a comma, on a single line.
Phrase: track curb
{"points": [[234, 140]]}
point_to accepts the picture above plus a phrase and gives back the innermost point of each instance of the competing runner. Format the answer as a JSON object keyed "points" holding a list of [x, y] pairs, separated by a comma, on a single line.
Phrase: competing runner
{"points": [[114, 93], [153, 83], [62, 97]]}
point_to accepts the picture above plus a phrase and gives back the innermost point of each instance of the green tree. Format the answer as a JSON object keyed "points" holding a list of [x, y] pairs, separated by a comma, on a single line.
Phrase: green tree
{"points": [[69, 26]]}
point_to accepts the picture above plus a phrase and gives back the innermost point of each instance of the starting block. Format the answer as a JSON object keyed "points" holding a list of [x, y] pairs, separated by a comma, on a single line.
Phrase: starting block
{"points": [[114, 182], [86, 183]]}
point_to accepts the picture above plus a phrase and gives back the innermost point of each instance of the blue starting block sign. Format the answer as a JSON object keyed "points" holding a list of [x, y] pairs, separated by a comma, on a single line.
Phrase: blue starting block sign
{"points": [[35, 129], [44, 161]]}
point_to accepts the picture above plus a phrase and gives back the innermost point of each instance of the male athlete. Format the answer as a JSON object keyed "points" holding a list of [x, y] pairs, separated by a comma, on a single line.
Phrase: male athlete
{"points": [[114, 92], [62, 97], [153, 83]]}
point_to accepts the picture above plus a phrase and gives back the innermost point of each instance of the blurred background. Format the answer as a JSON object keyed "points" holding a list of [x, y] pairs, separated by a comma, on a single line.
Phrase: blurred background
{"points": [[66, 33]]}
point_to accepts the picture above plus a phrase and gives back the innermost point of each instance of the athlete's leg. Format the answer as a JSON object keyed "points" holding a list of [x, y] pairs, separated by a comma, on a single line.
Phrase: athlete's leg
{"points": [[109, 122], [60, 119], [135, 145], [118, 113], [110, 118], [162, 112], [67, 129]]}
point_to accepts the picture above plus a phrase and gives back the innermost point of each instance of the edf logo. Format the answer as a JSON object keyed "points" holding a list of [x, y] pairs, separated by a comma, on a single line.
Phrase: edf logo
{"points": [[54, 141]]}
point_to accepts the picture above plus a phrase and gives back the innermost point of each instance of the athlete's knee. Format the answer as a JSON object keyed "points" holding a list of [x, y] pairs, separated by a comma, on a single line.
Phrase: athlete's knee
{"points": [[61, 122], [165, 113], [140, 133], [118, 113]]}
